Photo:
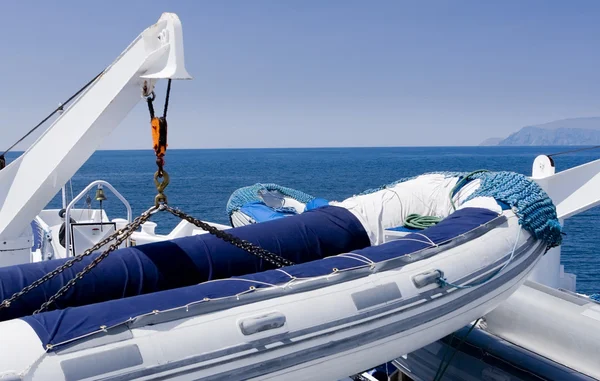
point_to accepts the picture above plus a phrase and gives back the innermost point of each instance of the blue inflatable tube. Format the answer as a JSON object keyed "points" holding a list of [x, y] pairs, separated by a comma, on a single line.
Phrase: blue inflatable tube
{"points": [[185, 261]]}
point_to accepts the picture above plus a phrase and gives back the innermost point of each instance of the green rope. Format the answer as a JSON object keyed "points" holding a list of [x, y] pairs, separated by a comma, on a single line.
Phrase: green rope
{"points": [[417, 221]]}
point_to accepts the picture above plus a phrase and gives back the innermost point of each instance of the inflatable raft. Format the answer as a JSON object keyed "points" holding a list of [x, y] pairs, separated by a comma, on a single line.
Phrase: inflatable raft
{"points": [[358, 294]]}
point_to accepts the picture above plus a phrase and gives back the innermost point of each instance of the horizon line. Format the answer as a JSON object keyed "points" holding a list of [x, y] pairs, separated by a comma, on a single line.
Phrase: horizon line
{"points": [[327, 147]]}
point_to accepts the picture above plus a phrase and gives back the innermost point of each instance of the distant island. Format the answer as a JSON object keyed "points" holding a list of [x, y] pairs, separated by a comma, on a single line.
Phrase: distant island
{"points": [[564, 132]]}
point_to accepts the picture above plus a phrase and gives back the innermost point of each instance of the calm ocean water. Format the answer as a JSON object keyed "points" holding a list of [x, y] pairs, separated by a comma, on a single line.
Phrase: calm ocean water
{"points": [[203, 180]]}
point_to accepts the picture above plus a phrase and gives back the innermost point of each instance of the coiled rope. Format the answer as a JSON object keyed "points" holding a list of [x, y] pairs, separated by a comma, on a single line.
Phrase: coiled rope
{"points": [[417, 221], [420, 222]]}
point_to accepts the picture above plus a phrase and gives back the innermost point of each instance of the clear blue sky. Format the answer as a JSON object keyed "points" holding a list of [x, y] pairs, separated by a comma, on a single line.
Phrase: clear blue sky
{"points": [[318, 73]]}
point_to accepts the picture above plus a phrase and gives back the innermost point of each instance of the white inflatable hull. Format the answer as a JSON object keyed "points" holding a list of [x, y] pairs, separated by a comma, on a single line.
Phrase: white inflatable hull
{"points": [[296, 336]]}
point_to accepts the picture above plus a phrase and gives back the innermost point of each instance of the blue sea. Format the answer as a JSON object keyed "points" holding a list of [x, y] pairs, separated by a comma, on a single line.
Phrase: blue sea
{"points": [[203, 180]]}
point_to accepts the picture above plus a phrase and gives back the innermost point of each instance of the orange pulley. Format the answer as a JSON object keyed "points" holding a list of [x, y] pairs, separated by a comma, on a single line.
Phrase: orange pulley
{"points": [[159, 136]]}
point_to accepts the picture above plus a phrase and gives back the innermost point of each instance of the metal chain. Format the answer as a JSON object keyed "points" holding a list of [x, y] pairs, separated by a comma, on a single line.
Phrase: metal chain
{"points": [[161, 199], [258, 251], [126, 232], [7, 302], [122, 234]]}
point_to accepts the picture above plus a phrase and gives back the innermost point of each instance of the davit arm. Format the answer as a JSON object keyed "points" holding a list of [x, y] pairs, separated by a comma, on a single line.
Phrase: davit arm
{"points": [[574, 190], [30, 182]]}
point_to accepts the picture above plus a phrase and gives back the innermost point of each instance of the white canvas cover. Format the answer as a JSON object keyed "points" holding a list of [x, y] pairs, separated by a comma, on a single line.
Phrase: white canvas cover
{"points": [[427, 195]]}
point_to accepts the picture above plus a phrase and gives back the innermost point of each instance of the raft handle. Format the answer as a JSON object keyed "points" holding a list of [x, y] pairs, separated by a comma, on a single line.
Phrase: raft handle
{"points": [[427, 278]]}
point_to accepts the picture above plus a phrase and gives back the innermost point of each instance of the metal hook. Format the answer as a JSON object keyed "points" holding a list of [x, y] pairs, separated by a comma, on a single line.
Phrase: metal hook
{"points": [[161, 198], [160, 186]]}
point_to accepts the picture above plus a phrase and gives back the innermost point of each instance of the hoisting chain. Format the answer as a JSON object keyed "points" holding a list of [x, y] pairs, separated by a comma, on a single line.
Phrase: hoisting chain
{"points": [[121, 235], [258, 251], [159, 138], [159, 135], [126, 232]]}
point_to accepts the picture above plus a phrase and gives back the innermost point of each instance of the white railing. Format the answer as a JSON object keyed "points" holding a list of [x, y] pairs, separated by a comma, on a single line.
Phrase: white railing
{"points": [[79, 197]]}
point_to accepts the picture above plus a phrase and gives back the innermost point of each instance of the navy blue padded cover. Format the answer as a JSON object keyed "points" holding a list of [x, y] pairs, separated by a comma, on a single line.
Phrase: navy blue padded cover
{"points": [[59, 326], [185, 261]]}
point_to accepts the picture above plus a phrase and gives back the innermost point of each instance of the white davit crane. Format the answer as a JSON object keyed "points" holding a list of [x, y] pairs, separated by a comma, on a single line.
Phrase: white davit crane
{"points": [[30, 182]]}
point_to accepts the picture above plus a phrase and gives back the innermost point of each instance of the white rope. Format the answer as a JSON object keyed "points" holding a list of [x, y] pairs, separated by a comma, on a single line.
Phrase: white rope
{"points": [[240, 279], [288, 283], [364, 259], [286, 273], [368, 262], [429, 239], [34, 365], [416, 240]]}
